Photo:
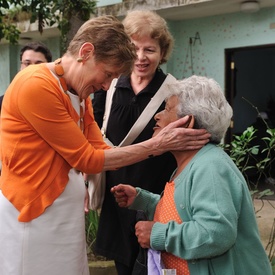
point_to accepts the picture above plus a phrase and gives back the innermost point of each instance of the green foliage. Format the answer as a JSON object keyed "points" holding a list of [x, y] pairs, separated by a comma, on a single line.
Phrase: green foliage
{"points": [[60, 12], [248, 156], [46, 12], [7, 30], [240, 150], [243, 154], [91, 225]]}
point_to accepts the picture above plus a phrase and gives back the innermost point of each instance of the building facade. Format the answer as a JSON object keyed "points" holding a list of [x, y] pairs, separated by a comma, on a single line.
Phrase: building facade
{"points": [[211, 36]]}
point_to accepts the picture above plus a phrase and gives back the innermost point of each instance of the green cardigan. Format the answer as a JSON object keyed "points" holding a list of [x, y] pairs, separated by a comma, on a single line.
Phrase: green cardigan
{"points": [[219, 234]]}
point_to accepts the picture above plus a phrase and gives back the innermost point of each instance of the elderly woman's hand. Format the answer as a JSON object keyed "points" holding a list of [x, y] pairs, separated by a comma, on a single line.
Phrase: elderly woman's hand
{"points": [[143, 232], [124, 194]]}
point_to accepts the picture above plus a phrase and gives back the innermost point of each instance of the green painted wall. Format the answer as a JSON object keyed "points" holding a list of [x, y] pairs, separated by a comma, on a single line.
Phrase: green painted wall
{"points": [[102, 3], [217, 33]]}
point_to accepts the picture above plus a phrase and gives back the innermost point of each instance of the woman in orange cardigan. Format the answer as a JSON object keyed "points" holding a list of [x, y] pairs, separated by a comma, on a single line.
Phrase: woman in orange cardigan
{"points": [[49, 138]]}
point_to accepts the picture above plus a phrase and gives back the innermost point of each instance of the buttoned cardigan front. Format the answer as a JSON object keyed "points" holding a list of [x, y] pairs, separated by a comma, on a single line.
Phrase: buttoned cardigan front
{"points": [[219, 233]]}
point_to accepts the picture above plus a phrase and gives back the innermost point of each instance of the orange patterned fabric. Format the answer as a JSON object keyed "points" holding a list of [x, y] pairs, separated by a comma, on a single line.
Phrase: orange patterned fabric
{"points": [[166, 211]]}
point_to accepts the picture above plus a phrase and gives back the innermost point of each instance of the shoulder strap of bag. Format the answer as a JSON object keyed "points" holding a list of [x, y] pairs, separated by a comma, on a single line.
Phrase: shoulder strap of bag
{"points": [[148, 112], [108, 105]]}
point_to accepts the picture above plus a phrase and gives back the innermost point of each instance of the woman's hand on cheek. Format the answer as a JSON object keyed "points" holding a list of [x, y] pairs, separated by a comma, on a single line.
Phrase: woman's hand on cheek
{"points": [[174, 137]]}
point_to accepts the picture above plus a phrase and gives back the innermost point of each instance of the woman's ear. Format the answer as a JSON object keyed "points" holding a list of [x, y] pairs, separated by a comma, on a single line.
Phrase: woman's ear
{"points": [[190, 122], [85, 50]]}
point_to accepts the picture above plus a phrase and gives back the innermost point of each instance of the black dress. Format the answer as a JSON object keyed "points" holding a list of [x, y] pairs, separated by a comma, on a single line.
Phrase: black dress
{"points": [[116, 235]]}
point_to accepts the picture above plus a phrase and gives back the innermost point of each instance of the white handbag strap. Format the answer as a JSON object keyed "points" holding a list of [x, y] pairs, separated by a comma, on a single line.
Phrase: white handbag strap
{"points": [[108, 105], [146, 115], [148, 112]]}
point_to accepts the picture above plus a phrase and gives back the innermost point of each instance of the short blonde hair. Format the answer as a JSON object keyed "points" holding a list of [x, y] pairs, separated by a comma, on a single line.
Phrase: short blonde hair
{"points": [[145, 22], [112, 45]]}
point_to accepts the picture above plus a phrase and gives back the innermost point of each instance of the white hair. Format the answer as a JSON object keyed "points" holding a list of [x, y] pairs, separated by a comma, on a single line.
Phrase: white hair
{"points": [[203, 98]]}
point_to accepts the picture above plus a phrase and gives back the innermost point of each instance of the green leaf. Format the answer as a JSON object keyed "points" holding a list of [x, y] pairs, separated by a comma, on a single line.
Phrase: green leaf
{"points": [[45, 11], [266, 192]]}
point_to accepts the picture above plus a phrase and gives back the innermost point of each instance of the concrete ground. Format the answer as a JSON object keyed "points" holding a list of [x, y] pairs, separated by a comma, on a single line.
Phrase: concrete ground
{"points": [[265, 213]]}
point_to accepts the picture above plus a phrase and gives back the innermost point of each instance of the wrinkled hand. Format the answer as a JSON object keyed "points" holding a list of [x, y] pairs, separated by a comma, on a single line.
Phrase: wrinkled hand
{"points": [[175, 137], [124, 194], [143, 233]]}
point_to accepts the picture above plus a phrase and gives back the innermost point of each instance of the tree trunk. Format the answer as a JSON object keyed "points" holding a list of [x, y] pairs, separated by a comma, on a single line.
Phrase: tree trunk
{"points": [[75, 23]]}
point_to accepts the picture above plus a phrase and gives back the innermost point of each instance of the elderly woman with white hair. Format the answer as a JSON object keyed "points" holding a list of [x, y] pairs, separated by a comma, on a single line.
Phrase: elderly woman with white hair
{"points": [[204, 222]]}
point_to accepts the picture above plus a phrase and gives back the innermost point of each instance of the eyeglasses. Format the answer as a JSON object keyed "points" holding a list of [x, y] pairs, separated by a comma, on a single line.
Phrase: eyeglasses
{"points": [[27, 63]]}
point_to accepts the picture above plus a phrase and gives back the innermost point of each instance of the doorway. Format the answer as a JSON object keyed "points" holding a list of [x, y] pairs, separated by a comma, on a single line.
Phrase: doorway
{"points": [[249, 83]]}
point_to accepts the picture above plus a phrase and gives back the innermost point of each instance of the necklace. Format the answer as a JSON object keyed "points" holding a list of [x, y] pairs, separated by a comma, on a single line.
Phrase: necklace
{"points": [[58, 68]]}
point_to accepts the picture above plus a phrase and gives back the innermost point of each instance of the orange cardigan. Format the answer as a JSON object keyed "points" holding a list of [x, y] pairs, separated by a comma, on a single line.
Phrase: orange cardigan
{"points": [[41, 142]]}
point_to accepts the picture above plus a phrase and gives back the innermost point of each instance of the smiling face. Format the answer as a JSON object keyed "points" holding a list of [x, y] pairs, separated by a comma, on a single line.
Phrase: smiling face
{"points": [[87, 75], [93, 77], [148, 56], [166, 116]]}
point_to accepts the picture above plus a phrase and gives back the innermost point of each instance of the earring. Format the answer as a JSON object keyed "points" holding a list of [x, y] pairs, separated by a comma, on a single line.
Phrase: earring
{"points": [[159, 69], [79, 59]]}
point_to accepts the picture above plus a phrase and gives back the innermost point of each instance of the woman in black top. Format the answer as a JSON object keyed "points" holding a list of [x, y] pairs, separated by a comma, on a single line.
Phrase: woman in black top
{"points": [[116, 235]]}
